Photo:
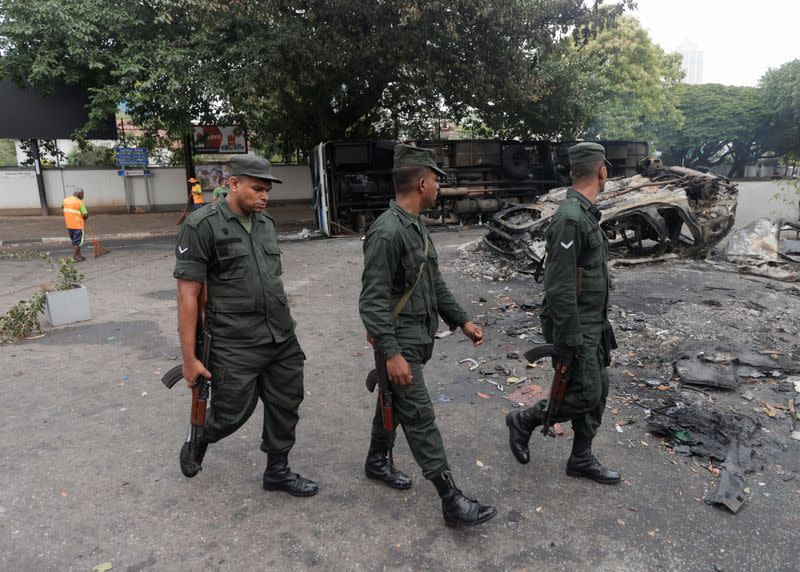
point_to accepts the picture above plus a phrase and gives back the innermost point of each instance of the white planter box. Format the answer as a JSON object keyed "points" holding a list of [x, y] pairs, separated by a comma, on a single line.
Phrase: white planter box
{"points": [[67, 306]]}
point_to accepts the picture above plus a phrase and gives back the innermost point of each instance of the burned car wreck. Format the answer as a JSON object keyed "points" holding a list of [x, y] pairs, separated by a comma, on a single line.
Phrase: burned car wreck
{"points": [[659, 210]]}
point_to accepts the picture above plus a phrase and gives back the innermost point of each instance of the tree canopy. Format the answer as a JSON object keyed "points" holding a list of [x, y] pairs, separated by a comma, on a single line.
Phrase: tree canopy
{"points": [[295, 73], [722, 124], [636, 84], [781, 90]]}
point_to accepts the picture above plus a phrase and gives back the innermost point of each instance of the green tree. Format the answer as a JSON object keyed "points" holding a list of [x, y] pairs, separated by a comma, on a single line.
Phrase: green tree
{"points": [[88, 155], [781, 87], [635, 83], [722, 124], [301, 72]]}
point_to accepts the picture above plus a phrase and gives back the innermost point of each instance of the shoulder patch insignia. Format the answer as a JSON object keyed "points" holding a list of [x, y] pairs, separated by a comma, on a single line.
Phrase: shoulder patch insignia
{"points": [[182, 249], [567, 246]]}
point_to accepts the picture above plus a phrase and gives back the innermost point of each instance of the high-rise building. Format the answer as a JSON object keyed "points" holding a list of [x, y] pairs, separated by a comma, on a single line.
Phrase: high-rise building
{"points": [[692, 63]]}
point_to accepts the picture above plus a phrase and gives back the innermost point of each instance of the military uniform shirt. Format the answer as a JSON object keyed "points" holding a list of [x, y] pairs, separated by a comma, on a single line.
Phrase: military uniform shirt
{"points": [[393, 251], [574, 239], [242, 271]]}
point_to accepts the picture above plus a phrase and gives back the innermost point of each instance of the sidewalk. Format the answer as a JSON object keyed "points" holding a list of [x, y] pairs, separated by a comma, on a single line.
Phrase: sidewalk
{"points": [[50, 229]]}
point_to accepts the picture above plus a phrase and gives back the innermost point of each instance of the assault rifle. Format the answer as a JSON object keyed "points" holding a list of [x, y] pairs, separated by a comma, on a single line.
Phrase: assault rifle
{"points": [[200, 391], [557, 389], [380, 377]]}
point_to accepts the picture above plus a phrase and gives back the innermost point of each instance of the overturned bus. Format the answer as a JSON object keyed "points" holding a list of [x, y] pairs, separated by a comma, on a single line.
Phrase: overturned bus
{"points": [[353, 179]]}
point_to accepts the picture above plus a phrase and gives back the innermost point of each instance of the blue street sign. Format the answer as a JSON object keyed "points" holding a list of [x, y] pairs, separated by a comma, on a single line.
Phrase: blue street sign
{"points": [[131, 156]]}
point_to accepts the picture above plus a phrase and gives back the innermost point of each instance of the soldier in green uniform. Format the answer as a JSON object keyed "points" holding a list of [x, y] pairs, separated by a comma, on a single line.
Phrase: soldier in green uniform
{"points": [[231, 246], [399, 257], [574, 317]]}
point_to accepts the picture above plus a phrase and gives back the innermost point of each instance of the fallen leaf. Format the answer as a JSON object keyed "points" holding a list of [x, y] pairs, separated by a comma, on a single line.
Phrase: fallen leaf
{"points": [[620, 522], [663, 387], [651, 533], [643, 443], [479, 462], [538, 509], [614, 411], [483, 395], [713, 470], [770, 410], [64, 494], [357, 354], [104, 567]]}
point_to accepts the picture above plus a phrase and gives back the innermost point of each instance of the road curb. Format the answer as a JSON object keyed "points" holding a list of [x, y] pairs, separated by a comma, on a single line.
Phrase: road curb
{"points": [[64, 240]]}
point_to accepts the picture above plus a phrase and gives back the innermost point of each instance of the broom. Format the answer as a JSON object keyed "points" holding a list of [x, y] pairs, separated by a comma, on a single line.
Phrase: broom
{"points": [[99, 249]]}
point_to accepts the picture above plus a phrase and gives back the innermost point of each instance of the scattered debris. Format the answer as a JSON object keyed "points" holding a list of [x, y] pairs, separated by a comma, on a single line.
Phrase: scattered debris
{"points": [[497, 385], [473, 364], [444, 334], [712, 436], [720, 365], [528, 394], [756, 249]]}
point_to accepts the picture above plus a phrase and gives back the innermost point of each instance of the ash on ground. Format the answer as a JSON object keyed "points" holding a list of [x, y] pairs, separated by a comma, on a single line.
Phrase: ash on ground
{"points": [[698, 346]]}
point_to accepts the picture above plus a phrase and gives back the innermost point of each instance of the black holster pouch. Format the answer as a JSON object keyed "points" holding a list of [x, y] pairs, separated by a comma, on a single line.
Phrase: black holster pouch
{"points": [[609, 342]]}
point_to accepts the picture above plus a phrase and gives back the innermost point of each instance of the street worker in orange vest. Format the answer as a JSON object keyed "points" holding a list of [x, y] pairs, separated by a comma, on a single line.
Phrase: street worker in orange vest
{"points": [[197, 194], [75, 215]]}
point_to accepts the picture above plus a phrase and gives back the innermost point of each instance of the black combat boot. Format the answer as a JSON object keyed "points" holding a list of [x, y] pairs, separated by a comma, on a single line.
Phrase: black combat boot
{"points": [[190, 468], [379, 468], [583, 464], [520, 427], [457, 509], [278, 477]]}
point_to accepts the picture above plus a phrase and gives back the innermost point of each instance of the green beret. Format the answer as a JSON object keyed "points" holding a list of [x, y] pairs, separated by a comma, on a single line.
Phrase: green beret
{"points": [[586, 154], [253, 166], [411, 156]]}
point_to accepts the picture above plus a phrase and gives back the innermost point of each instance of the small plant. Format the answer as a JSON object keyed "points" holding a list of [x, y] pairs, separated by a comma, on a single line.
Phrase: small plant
{"points": [[24, 254], [22, 319], [69, 276]]}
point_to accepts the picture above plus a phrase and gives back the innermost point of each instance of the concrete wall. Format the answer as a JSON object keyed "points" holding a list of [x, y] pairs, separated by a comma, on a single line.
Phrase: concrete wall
{"points": [[106, 190]]}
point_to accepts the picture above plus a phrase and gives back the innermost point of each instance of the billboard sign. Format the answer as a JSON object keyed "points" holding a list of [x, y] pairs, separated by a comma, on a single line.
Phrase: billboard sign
{"points": [[219, 139], [27, 114], [212, 176]]}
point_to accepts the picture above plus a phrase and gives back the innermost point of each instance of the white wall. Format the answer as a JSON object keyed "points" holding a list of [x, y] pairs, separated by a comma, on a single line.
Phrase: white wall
{"points": [[18, 190], [106, 189]]}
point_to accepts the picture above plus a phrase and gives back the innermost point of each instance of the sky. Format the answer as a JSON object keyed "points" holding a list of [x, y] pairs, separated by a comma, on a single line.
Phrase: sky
{"points": [[740, 39]]}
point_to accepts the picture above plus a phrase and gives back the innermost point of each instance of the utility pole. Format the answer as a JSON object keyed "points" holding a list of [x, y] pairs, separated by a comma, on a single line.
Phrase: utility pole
{"points": [[37, 166]]}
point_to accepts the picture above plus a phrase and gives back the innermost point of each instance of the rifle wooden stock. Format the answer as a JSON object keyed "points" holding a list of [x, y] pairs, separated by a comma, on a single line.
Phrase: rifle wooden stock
{"points": [[558, 388], [387, 410], [385, 400]]}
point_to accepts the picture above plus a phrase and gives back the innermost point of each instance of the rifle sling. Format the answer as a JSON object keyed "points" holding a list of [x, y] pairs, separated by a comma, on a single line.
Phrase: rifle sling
{"points": [[407, 295]]}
